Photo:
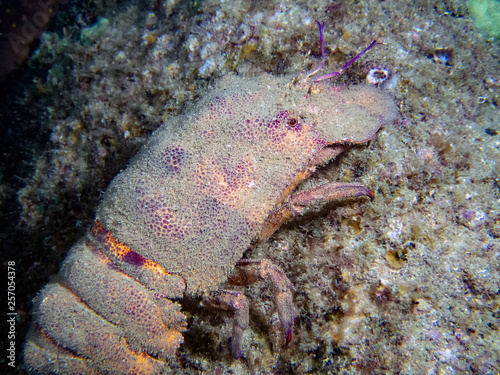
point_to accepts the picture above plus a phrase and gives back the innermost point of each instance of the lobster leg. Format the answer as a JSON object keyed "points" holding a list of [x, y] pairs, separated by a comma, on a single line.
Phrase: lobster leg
{"points": [[248, 272], [232, 301], [330, 192]]}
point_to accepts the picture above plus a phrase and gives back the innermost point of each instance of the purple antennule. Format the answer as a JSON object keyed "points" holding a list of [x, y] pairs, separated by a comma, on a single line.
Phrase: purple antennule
{"points": [[318, 67], [321, 32], [341, 70]]}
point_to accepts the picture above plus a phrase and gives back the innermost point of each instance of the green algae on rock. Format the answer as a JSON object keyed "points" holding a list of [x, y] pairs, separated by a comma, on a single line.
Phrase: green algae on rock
{"points": [[486, 14]]}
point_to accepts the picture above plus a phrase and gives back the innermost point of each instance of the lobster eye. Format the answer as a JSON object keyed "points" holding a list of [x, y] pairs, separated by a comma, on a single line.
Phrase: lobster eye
{"points": [[292, 122]]}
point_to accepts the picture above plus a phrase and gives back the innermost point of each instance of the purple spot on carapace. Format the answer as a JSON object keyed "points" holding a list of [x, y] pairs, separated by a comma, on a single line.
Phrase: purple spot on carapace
{"points": [[134, 258], [173, 158]]}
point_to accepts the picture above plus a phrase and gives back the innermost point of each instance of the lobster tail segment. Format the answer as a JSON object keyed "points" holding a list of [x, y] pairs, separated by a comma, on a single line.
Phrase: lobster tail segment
{"points": [[96, 311]]}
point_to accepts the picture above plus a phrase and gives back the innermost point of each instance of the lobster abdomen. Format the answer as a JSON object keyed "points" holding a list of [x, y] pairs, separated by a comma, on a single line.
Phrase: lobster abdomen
{"points": [[96, 318]]}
